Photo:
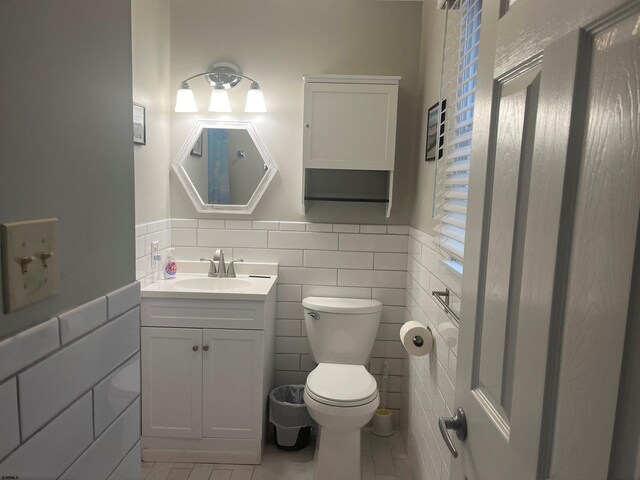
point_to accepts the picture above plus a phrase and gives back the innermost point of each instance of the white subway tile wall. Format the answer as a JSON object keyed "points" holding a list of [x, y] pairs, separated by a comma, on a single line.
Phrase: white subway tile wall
{"points": [[160, 232], [10, 429], [395, 264], [82, 367], [26, 347], [109, 449], [109, 402], [57, 415], [79, 321], [131, 463], [428, 387], [321, 259]]}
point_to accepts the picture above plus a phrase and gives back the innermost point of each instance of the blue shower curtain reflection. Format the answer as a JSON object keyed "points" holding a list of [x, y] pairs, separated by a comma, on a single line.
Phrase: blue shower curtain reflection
{"points": [[219, 191]]}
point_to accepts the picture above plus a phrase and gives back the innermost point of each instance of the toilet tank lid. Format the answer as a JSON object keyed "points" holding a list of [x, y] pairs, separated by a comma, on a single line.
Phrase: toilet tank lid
{"points": [[342, 305]]}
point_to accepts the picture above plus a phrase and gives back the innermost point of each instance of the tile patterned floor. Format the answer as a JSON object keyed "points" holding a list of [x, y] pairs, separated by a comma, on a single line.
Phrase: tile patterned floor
{"points": [[382, 459]]}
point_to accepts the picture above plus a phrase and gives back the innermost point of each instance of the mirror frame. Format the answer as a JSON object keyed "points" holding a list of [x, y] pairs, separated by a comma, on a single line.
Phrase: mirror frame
{"points": [[190, 188]]}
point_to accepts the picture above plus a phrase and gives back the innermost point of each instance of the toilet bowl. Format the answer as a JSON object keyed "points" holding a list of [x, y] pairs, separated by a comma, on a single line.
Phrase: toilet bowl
{"points": [[340, 394], [341, 399]]}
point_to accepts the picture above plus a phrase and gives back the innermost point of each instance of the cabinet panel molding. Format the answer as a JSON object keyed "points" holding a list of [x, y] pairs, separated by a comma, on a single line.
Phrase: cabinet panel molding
{"points": [[171, 382]]}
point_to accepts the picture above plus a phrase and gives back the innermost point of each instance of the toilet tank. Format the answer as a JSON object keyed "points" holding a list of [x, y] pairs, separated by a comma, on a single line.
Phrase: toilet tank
{"points": [[341, 330]]}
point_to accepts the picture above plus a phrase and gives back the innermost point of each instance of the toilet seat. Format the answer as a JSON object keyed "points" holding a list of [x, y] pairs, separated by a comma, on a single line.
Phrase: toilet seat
{"points": [[341, 385]]}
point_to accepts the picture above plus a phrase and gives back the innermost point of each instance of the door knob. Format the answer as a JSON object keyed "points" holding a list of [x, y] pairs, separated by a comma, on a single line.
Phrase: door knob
{"points": [[195, 348], [205, 348], [458, 423]]}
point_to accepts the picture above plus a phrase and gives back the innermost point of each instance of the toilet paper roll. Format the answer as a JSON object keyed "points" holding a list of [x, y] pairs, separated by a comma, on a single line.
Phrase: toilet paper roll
{"points": [[416, 338]]}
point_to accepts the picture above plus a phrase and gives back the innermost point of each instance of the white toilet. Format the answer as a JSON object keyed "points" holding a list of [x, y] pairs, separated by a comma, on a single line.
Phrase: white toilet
{"points": [[340, 393]]}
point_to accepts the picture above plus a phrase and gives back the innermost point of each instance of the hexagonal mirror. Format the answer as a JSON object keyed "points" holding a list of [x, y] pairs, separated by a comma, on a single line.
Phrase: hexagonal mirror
{"points": [[224, 167]]}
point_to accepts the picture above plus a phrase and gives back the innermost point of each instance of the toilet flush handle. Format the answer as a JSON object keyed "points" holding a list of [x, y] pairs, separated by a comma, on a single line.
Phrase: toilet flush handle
{"points": [[314, 315]]}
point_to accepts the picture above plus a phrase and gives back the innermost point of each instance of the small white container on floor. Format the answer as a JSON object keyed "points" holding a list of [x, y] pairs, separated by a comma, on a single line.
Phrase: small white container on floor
{"points": [[383, 422]]}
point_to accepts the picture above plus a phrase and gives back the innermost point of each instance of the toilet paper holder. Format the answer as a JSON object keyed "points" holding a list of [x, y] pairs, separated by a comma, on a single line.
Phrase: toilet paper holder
{"points": [[418, 341], [416, 338]]}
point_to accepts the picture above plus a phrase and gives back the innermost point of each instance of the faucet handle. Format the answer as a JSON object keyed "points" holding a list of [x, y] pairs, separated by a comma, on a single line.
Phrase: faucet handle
{"points": [[212, 266], [231, 271]]}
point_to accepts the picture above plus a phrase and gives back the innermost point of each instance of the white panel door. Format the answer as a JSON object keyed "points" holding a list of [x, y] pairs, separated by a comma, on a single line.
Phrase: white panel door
{"points": [[232, 383], [553, 223], [171, 382], [349, 126]]}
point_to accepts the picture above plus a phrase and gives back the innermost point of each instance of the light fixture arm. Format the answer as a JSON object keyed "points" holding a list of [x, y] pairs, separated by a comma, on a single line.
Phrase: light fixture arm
{"points": [[186, 80], [185, 83]]}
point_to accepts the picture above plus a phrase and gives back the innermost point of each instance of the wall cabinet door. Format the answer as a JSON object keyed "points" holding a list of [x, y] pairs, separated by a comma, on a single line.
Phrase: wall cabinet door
{"points": [[171, 382], [350, 126], [232, 383]]}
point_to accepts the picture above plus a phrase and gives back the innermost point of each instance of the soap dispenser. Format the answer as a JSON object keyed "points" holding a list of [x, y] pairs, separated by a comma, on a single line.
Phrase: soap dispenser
{"points": [[170, 268]]}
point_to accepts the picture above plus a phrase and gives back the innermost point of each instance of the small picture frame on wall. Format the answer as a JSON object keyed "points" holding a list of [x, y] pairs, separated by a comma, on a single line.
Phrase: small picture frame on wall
{"points": [[435, 131], [139, 125], [443, 113], [196, 151]]}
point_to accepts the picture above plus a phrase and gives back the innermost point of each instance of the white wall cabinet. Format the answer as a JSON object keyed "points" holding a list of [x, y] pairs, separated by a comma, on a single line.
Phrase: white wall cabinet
{"points": [[349, 124], [204, 390]]}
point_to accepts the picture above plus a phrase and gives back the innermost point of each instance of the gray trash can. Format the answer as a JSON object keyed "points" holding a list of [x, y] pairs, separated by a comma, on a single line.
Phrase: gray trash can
{"points": [[289, 416]]}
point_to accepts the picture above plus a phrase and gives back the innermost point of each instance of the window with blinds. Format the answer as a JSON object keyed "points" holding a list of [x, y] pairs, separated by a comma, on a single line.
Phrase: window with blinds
{"points": [[458, 88]]}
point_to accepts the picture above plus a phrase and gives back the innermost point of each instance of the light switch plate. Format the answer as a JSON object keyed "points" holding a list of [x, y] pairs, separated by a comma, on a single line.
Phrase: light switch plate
{"points": [[30, 262]]}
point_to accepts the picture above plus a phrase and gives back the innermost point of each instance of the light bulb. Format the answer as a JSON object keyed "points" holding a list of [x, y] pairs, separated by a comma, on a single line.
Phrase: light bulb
{"points": [[255, 100], [219, 101], [185, 101]]}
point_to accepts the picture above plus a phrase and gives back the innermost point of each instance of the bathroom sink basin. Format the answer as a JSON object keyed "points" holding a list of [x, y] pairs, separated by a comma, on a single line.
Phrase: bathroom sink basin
{"points": [[254, 282], [213, 284]]}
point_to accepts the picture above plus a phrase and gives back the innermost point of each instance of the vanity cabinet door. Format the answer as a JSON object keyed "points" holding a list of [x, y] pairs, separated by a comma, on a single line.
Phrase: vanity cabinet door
{"points": [[232, 383], [171, 382]]}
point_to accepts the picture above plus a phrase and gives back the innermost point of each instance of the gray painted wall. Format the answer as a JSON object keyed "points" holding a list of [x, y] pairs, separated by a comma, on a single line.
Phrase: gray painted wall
{"points": [[150, 45], [430, 68], [66, 141], [277, 43]]}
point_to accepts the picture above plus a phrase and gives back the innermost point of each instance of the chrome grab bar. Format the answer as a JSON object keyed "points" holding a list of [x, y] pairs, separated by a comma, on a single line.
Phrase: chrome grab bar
{"points": [[443, 299]]}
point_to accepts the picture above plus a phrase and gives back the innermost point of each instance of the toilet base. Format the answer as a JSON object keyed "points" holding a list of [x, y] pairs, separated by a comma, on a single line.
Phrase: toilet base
{"points": [[337, 455]]}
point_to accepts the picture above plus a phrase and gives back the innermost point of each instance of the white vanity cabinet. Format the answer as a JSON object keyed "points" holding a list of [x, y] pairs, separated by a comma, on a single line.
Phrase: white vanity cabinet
{"points": [[171, 382], [232, 386], [207, 368], [349, 138], [202, 383]]}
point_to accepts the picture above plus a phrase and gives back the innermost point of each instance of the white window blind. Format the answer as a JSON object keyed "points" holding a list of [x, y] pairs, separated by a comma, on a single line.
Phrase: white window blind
{"points": [[458, 88]]}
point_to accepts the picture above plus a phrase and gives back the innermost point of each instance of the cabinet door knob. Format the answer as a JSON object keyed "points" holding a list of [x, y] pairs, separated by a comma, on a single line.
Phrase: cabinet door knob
{"points": [[205, 348], [308, 125], [195, 348]]}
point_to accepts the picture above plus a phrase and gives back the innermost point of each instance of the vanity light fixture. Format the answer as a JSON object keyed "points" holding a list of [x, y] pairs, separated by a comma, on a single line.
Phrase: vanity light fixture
{"points": [[222, 77]]}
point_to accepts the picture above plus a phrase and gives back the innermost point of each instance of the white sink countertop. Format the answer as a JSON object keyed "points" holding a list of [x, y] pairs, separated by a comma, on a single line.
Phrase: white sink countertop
{"points": [[253, 281]]}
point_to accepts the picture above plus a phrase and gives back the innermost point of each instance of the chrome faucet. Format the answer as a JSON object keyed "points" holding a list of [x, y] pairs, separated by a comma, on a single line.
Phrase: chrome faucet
{"points": [[223, 271], [219, 257]]}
